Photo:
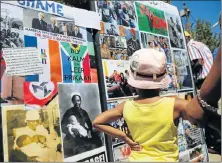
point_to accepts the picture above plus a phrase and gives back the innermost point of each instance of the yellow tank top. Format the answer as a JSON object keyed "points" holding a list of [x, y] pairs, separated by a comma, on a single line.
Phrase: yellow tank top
{"points": [[152, 126]]}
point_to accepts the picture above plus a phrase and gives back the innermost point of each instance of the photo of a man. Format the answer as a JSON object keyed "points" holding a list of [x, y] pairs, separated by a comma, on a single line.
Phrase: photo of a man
{"points": [[76, 32], [175, 32], [53, 27], [133, 43], [112, 30], [39, 23]]}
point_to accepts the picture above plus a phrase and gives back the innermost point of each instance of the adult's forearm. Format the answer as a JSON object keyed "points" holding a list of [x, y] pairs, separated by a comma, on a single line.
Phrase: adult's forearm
{"points": [[211, 88]]}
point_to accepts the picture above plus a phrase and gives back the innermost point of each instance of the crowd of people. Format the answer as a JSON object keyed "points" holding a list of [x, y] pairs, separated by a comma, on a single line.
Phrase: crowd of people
{"points": [[117, 11]]}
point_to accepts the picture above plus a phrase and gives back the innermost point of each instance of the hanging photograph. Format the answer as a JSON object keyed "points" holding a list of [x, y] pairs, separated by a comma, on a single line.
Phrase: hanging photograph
{"points": [[118, 54], [44, 25], [116, 74], [150, 19], [111, 29], [120, 12], [12, 35], [157, 42], [175, 31], [32, 135], [132, 40], [182, 69], [118, 124], [79, 105]]}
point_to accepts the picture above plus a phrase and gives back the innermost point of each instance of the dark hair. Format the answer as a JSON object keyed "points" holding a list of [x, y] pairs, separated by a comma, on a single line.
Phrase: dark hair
{"points": [[76, 96]]}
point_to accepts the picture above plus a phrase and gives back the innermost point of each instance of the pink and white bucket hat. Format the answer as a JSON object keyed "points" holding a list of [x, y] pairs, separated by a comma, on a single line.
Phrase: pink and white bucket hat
{"points": [[148, 70]]}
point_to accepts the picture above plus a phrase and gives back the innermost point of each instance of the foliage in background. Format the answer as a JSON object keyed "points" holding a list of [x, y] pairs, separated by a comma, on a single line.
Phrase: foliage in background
{"points": [[203, 33]]}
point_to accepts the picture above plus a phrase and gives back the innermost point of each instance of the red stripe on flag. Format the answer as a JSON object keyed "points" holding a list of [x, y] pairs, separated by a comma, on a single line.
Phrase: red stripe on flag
{"points": [[86, 69]]}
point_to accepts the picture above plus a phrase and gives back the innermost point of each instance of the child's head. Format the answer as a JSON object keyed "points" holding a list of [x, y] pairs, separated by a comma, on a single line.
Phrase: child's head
{"points": [[73, 120], [148, 71], [23, 141]]}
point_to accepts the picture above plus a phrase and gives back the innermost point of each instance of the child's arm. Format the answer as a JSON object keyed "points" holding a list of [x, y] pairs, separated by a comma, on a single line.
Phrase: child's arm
{"points": [[189, 110], [102, 120]]}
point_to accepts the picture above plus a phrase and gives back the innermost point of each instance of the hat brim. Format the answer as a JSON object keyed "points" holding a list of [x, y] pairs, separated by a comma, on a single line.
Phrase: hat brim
{"points": [[149, 83]]}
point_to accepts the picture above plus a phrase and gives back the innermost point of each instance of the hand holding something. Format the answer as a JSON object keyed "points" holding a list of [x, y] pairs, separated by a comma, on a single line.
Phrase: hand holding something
{"points": [[133, 145]]}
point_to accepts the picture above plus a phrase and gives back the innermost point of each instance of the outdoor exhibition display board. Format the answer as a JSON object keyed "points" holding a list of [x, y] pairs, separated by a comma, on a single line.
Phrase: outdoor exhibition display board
{"points": [[127, 26], [50, 83], [50, 76]]}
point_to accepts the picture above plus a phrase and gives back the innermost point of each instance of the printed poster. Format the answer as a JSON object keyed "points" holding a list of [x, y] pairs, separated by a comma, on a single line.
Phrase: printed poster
{"points": [[62, 61], [118, 124], [175, 31], [37, 94], [32, 135], [116, 74], [43, 25], [117, 12], [79, 105], [121, 153], [192, 146], [12, 36], [151, 20], [182, 69]]}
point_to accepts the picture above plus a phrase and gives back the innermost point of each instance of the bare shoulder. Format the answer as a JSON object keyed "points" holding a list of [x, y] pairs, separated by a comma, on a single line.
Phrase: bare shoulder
{"points": [[120, 107]]}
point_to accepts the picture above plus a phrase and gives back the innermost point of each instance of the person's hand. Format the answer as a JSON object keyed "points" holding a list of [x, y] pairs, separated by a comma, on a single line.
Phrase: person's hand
{"points": [[133, 145], [75, 132]]}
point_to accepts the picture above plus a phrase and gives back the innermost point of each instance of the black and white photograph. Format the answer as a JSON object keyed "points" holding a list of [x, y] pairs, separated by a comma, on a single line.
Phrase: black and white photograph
{"points": [[111, 29], [79, 105], [121, 42], [175, 31], [182, 71], [120, 12], [157, 42], [12, 35], [52, 24], [118, 124]]}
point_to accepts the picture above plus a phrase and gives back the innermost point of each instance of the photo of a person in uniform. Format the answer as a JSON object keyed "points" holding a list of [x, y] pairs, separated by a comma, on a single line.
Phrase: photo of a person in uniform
{"points": [[112, 30], [133, 43], [76, 32], [53, 27], [39, 23], [33, 142], [73, 142]]}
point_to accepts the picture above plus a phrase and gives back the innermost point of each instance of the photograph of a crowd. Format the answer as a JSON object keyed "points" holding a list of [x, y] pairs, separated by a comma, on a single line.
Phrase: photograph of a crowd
{"points": [[11, 26], [120, 12], [157, 42], [175, 31]]}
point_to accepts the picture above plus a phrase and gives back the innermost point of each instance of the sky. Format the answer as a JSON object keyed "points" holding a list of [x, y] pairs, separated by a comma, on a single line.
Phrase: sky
{"points": [[204, 10]]}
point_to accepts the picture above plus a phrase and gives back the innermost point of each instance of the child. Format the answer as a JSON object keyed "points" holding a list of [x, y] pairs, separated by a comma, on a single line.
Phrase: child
{"points": [[152, 120], [74, 124]]}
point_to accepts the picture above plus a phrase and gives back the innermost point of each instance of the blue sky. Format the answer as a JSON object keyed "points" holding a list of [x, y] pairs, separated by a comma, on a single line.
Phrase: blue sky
{"points": [[205, 10]]}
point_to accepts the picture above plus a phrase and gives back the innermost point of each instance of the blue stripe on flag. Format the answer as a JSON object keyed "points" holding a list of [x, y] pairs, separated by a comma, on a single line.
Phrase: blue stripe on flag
{"points": [[31, 41], [66, 68]]}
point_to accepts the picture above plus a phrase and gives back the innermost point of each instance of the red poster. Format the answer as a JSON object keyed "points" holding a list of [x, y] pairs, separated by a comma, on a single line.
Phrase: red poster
{"points": [[39, 93]]}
